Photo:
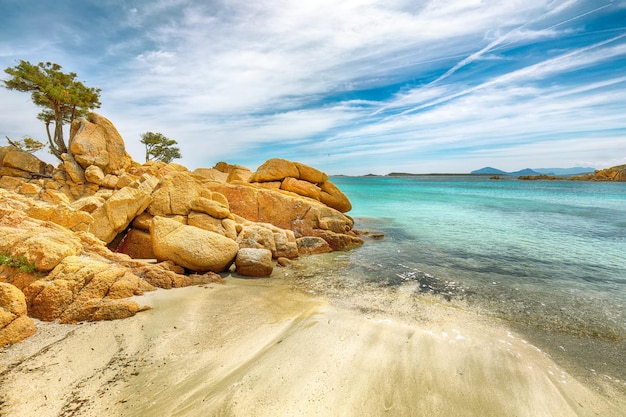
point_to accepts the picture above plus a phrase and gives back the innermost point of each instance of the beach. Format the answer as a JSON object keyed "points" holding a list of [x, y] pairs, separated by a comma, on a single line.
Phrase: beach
{"points": [[266, 347]]}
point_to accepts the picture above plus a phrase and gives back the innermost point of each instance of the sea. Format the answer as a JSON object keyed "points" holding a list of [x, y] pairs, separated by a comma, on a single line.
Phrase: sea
{"points": [[548, 258]]}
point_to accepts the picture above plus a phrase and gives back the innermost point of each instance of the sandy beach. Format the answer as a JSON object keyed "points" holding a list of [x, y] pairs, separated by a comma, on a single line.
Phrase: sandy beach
{"points": [[263, 348]]}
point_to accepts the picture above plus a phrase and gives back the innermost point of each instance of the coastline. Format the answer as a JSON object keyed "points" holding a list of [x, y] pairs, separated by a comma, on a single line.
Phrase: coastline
{"points": [[267, 348]]}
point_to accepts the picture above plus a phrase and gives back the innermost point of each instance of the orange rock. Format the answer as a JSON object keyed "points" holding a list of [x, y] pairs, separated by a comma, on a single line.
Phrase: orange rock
{"points": [[252, 262], [175, 194], [275, 170], [303, 188], [95, 141], [309, 245], [193, 248], [333, 197], [310, 174], [75, 290]]}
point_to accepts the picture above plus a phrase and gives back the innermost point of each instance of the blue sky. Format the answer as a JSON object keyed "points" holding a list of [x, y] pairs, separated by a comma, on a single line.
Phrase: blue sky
{"points": [[352, 87]]}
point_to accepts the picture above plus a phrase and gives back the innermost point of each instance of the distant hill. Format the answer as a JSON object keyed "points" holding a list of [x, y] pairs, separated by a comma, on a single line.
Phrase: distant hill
{"points": [[489, 171], [526, 171], [535, 171]]}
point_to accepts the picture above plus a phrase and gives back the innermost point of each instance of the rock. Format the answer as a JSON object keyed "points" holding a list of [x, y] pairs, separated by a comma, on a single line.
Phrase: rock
{"points": [[164, 278], [210, 207], [103, 309], [239, 174], [193, 248], [61, 214], [15, 326], [94, 174], [143, 221], [74, 171], [310, 174], [95, 141], [333, 197], [30, 189], [78, 288], [175, 194], [254, 262], [234, 173], [310, 245], [257, 236], [338, 241], [231, 228], [284, 262], [42, 244], [303, 216], [286, 246], [27, 163], [121, 209], [11, 183], [16, 331], [210, 174], [616, 173], [15, 276], [206, 222], [303, 188], [88, 204], [55, 197], [275, 170], [137, 244]]}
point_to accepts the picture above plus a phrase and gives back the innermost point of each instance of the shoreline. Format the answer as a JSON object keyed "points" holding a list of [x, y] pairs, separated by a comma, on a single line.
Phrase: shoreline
{"points": [[266, 348]]}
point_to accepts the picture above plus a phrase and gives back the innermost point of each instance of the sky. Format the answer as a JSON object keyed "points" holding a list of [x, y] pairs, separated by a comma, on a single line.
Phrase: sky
{"points": [[350, 87]]}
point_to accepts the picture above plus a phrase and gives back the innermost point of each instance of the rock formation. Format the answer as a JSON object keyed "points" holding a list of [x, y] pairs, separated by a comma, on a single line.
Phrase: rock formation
{"points": [[79, 239], [616, 173]]}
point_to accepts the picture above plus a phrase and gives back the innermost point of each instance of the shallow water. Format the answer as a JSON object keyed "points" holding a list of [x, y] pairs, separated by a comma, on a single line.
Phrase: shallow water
{"points": [[548, 257]]}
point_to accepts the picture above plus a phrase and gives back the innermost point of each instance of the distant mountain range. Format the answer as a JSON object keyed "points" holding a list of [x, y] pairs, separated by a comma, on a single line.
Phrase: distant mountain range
{"points": [[566, 172]]}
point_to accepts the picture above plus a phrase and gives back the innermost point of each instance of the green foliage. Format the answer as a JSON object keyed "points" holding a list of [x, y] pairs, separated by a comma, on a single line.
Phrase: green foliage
{"points": [[20, 262], [61, 96], [27, 144], [160, 148]]}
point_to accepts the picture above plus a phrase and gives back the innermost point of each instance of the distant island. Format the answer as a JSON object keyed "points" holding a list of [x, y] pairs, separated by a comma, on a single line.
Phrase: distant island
{"points": [[616, 173], [556, 172]]}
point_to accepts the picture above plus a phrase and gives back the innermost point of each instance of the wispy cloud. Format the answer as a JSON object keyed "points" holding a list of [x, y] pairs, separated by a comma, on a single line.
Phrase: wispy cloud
{"points": [[356, 86]]}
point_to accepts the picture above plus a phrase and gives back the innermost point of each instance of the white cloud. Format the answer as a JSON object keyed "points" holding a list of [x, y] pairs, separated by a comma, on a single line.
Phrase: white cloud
{"points": [[298, 78]]}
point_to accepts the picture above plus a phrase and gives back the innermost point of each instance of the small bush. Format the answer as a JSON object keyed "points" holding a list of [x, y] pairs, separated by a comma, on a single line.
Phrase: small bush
{"points": [[20, 262]]}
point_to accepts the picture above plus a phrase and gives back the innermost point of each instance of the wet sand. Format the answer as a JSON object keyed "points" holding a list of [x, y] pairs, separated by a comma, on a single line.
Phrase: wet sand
{"points": [[261, 348]]}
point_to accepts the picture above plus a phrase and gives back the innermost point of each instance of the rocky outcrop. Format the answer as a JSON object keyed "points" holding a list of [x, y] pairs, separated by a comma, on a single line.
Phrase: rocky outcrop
{"points": [[95, 141], [616, 173], [303, 180], [80, 239], [82, 289], [303, 216], [42, 244]]}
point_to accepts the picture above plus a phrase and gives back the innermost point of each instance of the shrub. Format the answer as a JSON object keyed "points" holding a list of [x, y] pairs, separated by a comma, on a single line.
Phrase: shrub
{"points": [[20, 262]]}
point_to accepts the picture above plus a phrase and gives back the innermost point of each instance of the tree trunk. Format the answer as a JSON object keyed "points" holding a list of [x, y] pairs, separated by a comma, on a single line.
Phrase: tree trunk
{"points": [[60, 147]]}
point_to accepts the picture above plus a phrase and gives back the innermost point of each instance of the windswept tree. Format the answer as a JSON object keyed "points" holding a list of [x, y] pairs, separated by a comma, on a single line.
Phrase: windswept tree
{"points": [[160, 148], [27, 144], [61, 96]]}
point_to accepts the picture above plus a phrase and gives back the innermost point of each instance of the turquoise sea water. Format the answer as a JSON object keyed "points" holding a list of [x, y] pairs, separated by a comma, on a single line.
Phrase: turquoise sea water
{"points": [[546, 256]]}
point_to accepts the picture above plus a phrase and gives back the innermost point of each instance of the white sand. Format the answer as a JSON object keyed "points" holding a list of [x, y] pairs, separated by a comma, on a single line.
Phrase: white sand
{"points": [[258, 348]]}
